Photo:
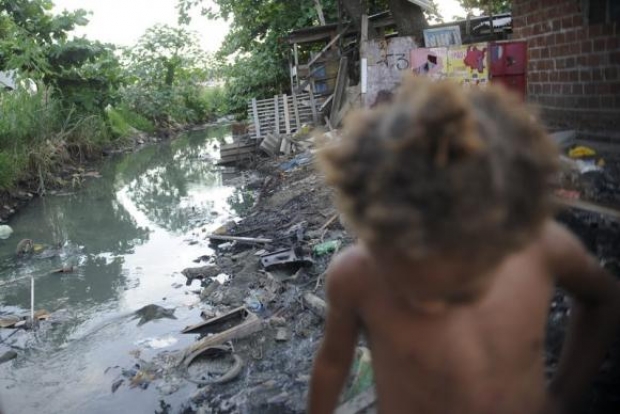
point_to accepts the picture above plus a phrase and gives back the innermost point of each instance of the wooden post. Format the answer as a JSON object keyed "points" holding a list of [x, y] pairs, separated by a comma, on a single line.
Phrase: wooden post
{"points": [[341, 84], [296, 57], [256, 121], [315, 115], [276, 102], [296, 109], [364, 58], [287, 116]]}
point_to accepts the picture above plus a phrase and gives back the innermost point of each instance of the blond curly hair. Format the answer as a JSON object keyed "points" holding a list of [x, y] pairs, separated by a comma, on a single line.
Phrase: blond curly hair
{"points": [[443, 170]]}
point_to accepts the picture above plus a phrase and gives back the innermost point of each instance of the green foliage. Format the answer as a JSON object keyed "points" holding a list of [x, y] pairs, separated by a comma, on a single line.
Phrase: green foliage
{"points": [[84, 74], [38, 136], [167, 71], [215, 100], [120, 127], [134, 119], [495, 6], [257, 40]]}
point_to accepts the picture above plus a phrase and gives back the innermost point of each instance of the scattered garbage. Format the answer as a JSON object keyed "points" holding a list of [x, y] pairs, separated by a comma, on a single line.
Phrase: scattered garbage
{"points": [[298, 161], [316, 304], [285, 257], [64, 269], [157, 343], [116, 384], [151, 312], [236, 324], [222, 365], [25, 246], [203, 273], [331, 246], [581, 152], [282, 335], [586, 166]]}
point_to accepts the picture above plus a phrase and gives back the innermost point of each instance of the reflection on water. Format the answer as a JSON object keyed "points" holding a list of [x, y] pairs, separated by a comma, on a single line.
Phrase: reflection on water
{"points": [[128, 234]]}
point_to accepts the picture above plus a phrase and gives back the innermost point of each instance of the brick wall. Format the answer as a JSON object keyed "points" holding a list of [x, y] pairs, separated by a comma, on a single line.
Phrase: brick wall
{"points": [[574, 67]]}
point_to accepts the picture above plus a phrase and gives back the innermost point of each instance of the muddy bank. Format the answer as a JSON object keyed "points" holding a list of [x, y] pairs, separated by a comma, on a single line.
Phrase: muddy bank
{"points": [[296, 210]]}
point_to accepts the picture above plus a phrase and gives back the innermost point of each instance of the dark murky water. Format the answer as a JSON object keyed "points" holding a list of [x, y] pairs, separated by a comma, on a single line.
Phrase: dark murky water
{"points": [[129, 234]]}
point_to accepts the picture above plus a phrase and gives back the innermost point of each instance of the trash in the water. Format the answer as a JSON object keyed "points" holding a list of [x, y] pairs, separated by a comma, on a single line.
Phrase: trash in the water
{"points": [[5, 231], [152, 312], [25, 246], [64, 269], [222, 365], [8, 356], [203, 258], [327, 247], [117, 384], [236, 324], [157, 343], [200, 273]]}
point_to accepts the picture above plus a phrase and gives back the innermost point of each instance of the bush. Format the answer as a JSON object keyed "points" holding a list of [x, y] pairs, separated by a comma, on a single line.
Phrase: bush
{"points": [[38, 136]]}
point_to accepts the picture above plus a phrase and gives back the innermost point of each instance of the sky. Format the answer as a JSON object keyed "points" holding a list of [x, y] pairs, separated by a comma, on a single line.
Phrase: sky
{"points": [[122, 22]]}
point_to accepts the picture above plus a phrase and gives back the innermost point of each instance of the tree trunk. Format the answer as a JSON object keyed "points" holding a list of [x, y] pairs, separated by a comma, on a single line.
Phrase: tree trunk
{"points": [[409, 19], [355, 9]]}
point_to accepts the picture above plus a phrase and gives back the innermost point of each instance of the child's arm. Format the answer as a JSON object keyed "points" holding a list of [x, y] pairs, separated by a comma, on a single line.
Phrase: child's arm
{"points": [[594, 318], [333, 360]]}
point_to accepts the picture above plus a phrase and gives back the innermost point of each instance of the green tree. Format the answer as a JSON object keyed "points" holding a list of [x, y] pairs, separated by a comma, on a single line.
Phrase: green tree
{"points": [[35, 42], [167, 70], [486, 6], [258, 31]]}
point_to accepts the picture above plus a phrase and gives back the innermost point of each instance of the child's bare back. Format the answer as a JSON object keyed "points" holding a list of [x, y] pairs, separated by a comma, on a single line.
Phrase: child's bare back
{"points": [[456, 321]]}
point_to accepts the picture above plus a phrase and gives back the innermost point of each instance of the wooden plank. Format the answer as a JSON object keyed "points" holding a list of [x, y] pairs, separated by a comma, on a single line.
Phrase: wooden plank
{"points": [[315, 115], [287, 115], [341, 84], [250, 240], [296, 57], [589, 206], [363, 57], [283, 146], [256, 121], [330, 44], [327, 101], [296, 111]]}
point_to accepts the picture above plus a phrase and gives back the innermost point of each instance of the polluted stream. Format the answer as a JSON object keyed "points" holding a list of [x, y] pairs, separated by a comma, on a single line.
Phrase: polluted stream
{"points": [[124, 236]]}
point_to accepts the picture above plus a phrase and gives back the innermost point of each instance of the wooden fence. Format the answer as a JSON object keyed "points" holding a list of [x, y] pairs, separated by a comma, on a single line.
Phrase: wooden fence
{"points": [[281, 114]]}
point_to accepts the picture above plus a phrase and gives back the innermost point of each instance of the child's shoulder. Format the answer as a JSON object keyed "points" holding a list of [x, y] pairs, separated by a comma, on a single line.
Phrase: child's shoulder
{"points": [[348, 272]]}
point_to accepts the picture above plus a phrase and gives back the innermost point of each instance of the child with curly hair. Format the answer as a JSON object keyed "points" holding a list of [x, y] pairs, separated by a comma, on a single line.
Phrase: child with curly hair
{"points": [[457, 259]]}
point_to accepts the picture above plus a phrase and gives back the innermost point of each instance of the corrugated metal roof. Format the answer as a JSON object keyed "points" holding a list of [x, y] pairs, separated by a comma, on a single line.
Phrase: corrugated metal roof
{"points": [[497, 22], [424, 4]]}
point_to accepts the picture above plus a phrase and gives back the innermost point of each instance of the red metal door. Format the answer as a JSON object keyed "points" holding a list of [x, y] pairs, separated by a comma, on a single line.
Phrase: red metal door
{"points": [[508, 58]]}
